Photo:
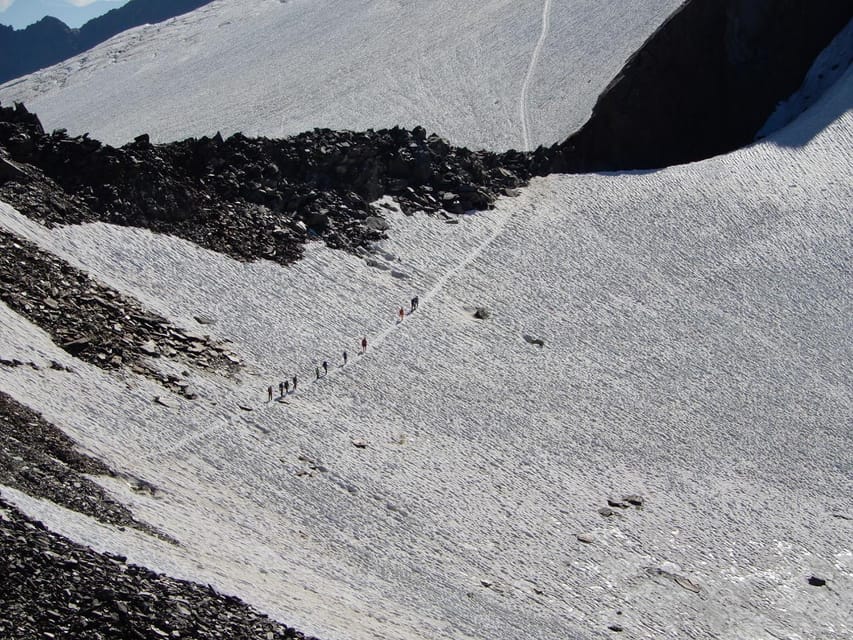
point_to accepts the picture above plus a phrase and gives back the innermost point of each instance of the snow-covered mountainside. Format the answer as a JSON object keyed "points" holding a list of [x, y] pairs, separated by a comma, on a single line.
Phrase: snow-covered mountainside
{"points": [[675, 343], [623, 404], [497, 74]]}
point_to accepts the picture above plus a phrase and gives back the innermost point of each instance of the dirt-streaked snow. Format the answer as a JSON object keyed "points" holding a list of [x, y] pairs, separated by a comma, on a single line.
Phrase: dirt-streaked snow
{"points": [[697, 328], [496, 73]]}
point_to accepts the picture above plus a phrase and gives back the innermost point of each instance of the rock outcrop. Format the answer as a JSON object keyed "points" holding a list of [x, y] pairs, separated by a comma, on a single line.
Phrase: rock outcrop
{"points": [[53, 588], [97, 324], [37, 458], [703, 84], [250, 198]]}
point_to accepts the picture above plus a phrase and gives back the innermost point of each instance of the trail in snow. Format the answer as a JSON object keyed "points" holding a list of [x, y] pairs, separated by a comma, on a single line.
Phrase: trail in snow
{"points": [[373, 342], [299, 70], [442, 281], [728, 333], [525, 87]]}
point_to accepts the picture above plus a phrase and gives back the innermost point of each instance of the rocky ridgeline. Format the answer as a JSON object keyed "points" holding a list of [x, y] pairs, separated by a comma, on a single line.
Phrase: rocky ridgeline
{"points": [[39, 459], [250, 198], [53, 588], [96, 323]]}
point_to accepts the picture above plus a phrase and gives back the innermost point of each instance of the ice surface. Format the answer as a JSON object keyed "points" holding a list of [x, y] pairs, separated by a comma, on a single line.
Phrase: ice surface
{"points": [[697, 346]]}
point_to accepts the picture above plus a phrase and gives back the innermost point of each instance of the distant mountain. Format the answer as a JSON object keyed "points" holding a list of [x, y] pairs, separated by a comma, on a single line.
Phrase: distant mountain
{"points": [[22, 13], [50, 40]]}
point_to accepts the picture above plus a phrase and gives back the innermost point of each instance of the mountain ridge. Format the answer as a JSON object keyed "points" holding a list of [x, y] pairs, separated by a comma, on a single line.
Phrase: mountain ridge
{"points": [[50, 41]]}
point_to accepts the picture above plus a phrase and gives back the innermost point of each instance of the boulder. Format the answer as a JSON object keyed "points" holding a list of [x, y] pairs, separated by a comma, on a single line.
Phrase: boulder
{"points": [[377, 223], [318, 220], [539, 342]]}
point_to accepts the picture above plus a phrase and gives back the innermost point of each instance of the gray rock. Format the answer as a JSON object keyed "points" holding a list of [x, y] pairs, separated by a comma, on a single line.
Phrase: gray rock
{"points": [[166, 402], [539, 342], [316, 220], [687, 583], [11, 171], [149, 347], [376, 223]]}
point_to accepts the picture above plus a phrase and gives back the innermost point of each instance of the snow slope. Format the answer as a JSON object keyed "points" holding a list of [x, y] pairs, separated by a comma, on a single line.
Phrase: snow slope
{"points": [[697, 328], [495, 73]]}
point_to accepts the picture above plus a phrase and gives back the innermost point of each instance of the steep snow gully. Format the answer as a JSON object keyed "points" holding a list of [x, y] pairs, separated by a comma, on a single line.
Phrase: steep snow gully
{"points": [[528, 77]]}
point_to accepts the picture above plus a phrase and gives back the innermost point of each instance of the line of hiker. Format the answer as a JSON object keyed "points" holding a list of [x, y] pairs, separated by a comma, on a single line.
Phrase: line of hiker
{"points": [[285, 387]]}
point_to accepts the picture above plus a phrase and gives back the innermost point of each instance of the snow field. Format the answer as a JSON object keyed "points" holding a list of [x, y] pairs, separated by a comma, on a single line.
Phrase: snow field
{"points": [[697, 352], [471, 72]]}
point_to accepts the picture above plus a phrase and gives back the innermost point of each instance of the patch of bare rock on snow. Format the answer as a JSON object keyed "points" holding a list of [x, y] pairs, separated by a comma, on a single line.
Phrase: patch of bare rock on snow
{"points": [[54, 588]]}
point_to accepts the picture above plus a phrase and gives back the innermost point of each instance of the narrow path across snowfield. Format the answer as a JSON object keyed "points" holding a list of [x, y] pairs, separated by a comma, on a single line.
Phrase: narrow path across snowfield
{"points": [[525, 87], [373, 342], [439, 284]]}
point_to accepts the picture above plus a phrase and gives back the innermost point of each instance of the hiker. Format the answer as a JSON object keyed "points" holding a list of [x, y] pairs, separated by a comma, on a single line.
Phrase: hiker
{"points": [[364, 344], [317, 371], [269, 393], [295, 380], [401, 313], [415, 302], [345, 358], [325, 368], [281, 389], [286, 385]]}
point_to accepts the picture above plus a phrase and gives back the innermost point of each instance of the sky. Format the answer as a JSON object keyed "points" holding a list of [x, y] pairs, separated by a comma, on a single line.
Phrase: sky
{"points": [[21, 13]]}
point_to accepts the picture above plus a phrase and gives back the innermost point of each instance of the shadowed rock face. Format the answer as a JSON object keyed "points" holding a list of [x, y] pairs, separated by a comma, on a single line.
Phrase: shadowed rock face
{"points": [[704, 83]]}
